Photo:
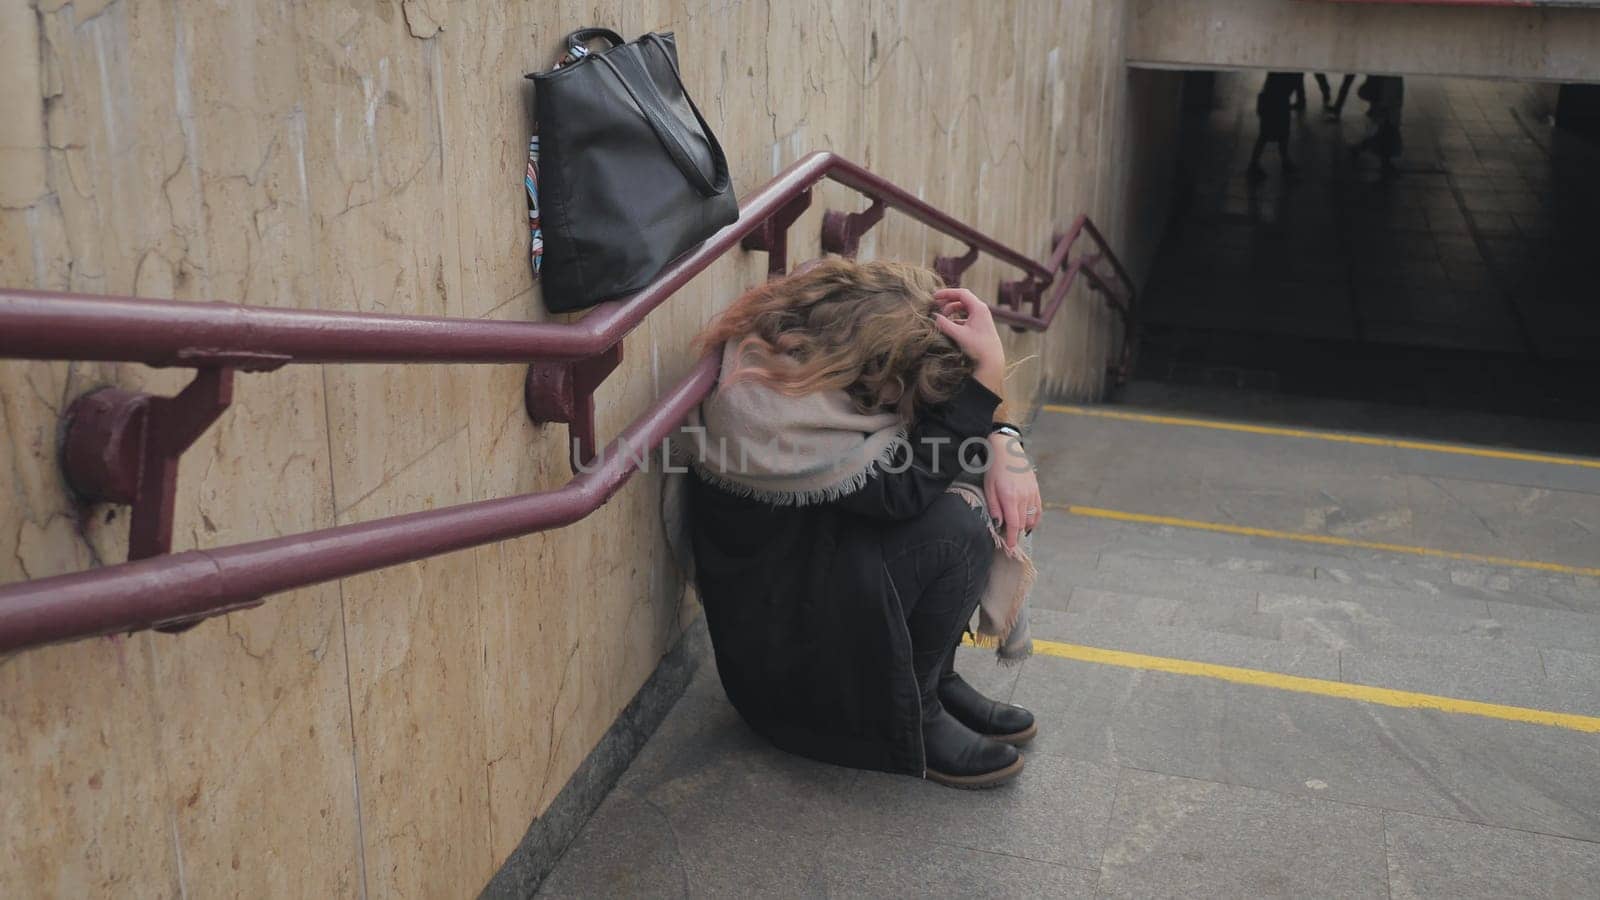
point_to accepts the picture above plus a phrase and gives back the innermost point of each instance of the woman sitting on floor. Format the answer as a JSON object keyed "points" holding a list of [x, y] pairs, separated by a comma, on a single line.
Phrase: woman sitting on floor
{"points": [[837, 554]]}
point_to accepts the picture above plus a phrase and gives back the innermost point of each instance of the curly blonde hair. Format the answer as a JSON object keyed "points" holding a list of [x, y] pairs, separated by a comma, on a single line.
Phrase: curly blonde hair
{"points": [[866, 328]]}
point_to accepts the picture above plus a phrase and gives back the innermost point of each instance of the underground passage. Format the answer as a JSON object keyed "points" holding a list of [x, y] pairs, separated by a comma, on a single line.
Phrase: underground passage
{"points": [[800, 449], [1461, 280]]}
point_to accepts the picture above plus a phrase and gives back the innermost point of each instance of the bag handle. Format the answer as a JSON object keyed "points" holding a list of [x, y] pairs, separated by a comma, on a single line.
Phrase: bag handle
{"points": [[657, 115], [576, 42]]}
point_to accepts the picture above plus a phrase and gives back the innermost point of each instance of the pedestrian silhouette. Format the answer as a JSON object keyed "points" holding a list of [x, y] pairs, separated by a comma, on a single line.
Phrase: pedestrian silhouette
{"points": [[1297, 97], [1385, 96], [1272, 109]]}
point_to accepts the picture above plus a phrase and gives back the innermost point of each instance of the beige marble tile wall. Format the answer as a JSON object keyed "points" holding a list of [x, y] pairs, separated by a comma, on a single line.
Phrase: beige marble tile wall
{"points": [[1518, 44], [395, 733]]}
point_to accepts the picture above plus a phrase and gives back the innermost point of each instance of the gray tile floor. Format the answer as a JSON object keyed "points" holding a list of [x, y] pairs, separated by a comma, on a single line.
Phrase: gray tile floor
{"points": [[1150, 784]]}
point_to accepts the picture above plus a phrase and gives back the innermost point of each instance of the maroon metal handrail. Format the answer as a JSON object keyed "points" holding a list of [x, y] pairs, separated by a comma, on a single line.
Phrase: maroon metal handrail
{"points": [[1086, 266], [113, 458], [181, 588], [62, 326]]}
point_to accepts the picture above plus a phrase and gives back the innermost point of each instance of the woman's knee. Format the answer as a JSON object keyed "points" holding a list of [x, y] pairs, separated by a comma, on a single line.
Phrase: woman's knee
{"points": [[960, 521], [951, 524]]}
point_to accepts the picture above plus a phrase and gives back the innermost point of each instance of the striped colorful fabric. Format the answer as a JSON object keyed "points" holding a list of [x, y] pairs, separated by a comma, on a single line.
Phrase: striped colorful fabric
{"points": [[531, 182]]}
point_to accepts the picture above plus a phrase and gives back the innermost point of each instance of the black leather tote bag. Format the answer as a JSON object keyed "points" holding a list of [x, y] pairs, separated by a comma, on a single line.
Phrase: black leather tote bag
{"points": [[630, 176]]}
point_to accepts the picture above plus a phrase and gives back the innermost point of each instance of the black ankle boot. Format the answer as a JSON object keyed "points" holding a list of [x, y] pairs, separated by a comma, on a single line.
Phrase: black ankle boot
{"points": [[954, 754], [958, 757], [1000, 721]]}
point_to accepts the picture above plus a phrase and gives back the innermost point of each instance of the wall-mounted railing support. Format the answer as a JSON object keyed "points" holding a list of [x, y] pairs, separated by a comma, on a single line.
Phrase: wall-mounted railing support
{"points": [[564, 392], [951, 268], [122, 446], [773, 234], [1012, 294], [841, 232], [1091, 260]]}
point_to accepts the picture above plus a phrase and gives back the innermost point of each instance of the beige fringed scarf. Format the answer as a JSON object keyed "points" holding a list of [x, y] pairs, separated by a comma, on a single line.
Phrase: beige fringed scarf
{"points": [[755, 441]]}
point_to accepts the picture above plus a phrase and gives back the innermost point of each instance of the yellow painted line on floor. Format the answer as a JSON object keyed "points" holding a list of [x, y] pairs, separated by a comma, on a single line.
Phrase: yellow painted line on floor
{"points": [[1327, 539], [1321, 687], [1333, 436]]}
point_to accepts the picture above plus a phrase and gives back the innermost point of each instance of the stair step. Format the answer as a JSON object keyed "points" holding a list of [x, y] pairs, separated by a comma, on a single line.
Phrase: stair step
{"points": [[1074, 540], [1181, 579], [1436, 764], [1465, 667], [1372, 620], [1179, 642], [1239, 571], [1403, 569]]}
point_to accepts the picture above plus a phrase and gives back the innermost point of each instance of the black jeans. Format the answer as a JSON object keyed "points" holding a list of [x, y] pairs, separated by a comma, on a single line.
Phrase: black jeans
{"points": [[938, 564]]}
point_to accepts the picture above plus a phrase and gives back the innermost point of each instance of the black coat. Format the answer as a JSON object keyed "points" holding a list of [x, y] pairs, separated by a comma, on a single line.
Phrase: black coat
{"points": [[810, 640]]}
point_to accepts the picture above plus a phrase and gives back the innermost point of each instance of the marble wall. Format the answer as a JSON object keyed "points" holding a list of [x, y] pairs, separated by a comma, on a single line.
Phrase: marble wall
{"points": [[395, 733], [1505, 42]]}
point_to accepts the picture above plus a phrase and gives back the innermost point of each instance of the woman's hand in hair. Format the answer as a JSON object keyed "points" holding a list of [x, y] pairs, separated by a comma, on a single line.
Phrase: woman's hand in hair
{"points": [[969, 322], [1011, 488]]}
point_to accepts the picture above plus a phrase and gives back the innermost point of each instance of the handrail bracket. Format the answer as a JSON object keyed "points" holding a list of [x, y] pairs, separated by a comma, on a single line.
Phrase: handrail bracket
{"points": [[1012, 294], [841, 232], [563, 391], [951, 268], [772, 235], [122, 446]]}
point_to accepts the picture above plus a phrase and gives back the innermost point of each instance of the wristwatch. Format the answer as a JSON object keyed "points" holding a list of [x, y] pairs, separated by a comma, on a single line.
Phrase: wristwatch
{"points": [[1007, 429]]}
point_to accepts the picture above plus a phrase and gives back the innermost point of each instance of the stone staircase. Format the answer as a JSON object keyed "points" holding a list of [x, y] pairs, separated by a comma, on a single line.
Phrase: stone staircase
{"points": [[1145, 782]]}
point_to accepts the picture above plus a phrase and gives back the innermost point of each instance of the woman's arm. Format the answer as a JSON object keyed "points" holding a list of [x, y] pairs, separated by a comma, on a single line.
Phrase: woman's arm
{"points": [[974, 332], [1011, 488], [924, 468], [1009, 485]]}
